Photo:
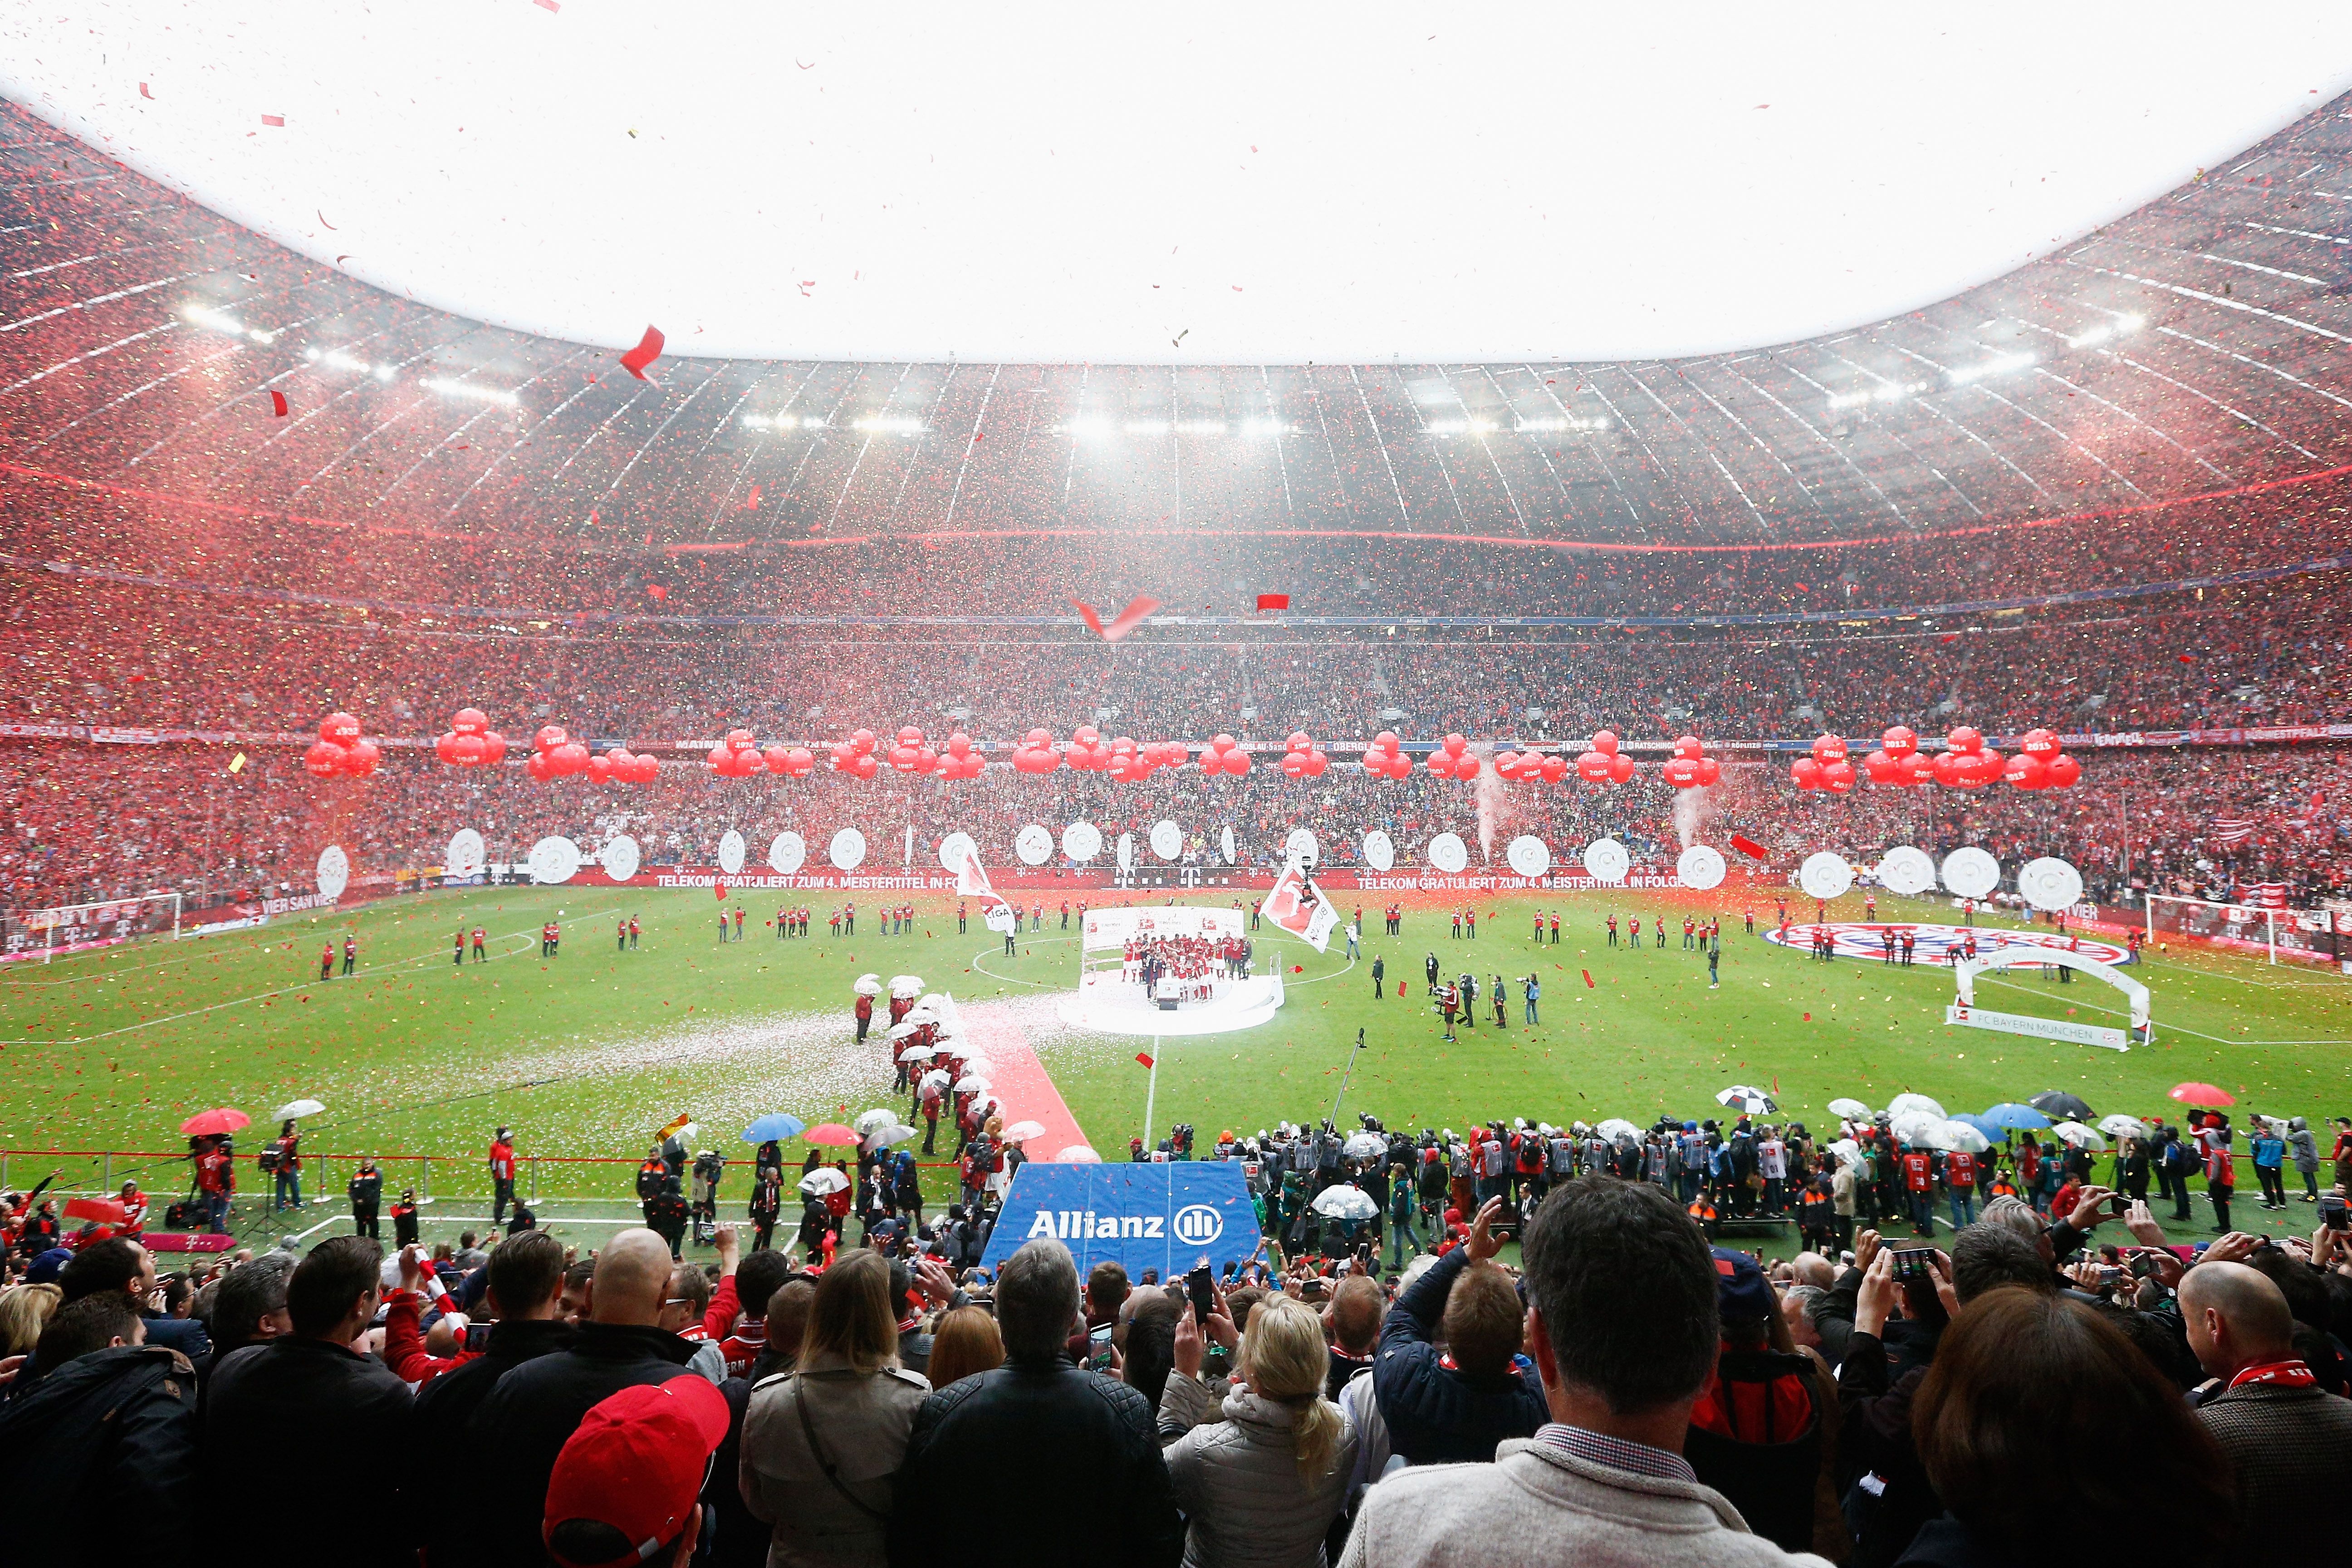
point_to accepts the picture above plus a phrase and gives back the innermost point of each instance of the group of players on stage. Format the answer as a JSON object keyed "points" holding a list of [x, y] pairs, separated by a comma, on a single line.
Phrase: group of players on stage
{"points": [[1147, 960]]}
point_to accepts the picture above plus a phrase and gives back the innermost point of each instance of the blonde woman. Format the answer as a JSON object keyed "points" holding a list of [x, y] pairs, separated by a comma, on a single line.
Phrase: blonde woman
{"points": [[823, 1443], [1259, 1487], [24, 1310]]}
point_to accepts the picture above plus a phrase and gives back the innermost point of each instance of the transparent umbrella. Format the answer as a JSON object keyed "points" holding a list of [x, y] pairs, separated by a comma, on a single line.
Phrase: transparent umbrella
{"points": [[1852, 1109], [1903, 1102], [1344, 1202], [822, 1180]]}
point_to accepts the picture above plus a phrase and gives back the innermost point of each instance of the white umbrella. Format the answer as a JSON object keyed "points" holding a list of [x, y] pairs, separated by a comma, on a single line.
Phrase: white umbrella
{"points": [[1344, 1202], [978, 1065], [935, 1079], [883, 1137], [2080, 1136], [905, 1027], [867, 985], [985, 1105], [1852, 1109], [1617, 1127], [295, 1108], [1079, 1154], [918, 1054], [1913, 1125], [2122, 1126], [905, 987], [878, 1118], [1021, 1131], [1903, 1102], [1741, 1097], [1956, 1135], [1845, 1149], [1364, 1146], [972, 1083], [822, 1180]]}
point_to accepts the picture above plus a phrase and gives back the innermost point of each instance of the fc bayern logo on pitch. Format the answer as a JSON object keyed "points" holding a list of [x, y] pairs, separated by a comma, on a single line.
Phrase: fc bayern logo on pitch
{"points": [[1937, 943], [1197, 1224]]}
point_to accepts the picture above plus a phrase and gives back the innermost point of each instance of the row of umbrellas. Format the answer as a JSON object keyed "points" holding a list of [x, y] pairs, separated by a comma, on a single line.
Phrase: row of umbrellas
{"points": [[224, 1119]]}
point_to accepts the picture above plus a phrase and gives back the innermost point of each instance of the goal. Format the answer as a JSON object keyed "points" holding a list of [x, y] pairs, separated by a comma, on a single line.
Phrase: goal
{"points": [[44, 934], [2249, 928]]}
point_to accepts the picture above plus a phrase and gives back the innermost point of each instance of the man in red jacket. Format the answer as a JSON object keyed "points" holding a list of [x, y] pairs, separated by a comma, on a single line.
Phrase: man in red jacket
{"points": [[502, 1171], [865, 1011], [1918, 1168]]}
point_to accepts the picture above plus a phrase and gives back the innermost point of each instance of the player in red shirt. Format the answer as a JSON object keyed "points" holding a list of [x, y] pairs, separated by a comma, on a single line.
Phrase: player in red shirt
{"points": [[1918, 1168]]}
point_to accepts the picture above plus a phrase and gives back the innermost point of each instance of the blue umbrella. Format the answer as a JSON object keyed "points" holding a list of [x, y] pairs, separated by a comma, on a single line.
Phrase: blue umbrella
{"points": [[778, 1126], [2014, 1118], [1984, 1124]]}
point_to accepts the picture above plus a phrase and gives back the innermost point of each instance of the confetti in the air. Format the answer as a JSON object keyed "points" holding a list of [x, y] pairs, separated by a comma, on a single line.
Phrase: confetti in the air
{"points": [[648, 349]]}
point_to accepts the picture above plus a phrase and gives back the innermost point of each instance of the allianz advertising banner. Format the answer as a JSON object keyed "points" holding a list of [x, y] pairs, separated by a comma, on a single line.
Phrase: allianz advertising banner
{"points": [[1163, 1217]]}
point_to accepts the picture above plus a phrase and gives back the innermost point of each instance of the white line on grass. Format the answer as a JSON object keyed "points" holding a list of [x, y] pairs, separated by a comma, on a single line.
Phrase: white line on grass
{"points": [[2168, 1028]]}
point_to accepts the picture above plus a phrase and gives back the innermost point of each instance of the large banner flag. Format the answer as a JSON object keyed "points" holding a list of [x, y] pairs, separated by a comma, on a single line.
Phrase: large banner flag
{"points": [[1166, 1216], [972, 883], [1297, 906]]}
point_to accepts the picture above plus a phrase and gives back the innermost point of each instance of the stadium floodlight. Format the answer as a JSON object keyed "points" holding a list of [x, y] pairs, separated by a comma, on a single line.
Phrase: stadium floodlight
{"points": [[1146, 427], [472, 392], [2120, 327], [2001, 367], [888, 425], [1461, 428], [1267, 427], [221, 322], [1199, 427]]}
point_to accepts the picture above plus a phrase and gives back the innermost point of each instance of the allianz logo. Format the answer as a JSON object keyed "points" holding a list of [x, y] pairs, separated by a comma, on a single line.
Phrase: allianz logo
{"points": [[1196, 1225]]}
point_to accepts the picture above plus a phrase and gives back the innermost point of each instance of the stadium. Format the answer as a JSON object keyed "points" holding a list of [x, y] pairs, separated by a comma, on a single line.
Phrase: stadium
{"points": [[1372, 764]]}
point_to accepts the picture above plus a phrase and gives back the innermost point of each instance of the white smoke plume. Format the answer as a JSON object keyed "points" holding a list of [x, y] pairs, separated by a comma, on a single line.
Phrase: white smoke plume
{"points": [[1488, 791], [1690, 809]]}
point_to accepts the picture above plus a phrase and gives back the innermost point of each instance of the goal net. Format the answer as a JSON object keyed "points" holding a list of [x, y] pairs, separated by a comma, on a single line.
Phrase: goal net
{"points": [[44, 934], [2274, 932]]}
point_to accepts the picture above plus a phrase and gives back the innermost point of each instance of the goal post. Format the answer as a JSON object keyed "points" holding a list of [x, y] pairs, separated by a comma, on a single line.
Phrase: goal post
{"points": [[2271, 930], [65, 929]]}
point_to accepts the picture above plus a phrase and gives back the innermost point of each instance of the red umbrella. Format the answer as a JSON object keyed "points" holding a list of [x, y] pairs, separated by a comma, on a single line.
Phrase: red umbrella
{"points": [[2203, 1094], [210, 1123], [105, 1211], [832, 1133]]}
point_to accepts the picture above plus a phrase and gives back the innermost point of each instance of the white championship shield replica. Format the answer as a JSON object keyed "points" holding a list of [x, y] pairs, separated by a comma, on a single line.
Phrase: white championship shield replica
{"points": [[1297, 906], [972, 883]]}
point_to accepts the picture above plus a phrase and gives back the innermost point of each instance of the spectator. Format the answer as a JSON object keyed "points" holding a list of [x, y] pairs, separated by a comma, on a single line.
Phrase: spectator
{"points": [[684, 1309], [1096, 1439], [822, 1443], [1623, 1322], [109, 1433], [520, 1427], [2016, 1424], [1759, 1433], [1152, 1318], [787, 1325], [1262, 1486], [329, 1417], [249, 1307], [965, 1344], [1458, 1402], [1354, 1322], [624, 1486], [120, 1264], [23, 1311], [2288, 1444], [522, 1302]]}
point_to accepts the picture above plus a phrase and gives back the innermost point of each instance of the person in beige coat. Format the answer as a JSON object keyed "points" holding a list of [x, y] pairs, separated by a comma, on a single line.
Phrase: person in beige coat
{"points": [[1259, 1488], [822, 1443], [1622, 1325]]}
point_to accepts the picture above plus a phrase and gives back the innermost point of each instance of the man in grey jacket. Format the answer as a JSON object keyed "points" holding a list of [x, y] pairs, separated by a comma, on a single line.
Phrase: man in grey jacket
{"points": [[1623, 1322]]}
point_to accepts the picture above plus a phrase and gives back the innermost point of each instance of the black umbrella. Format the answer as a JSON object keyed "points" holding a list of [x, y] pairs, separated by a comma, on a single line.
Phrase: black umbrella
{"points": [[2063, 1105]]}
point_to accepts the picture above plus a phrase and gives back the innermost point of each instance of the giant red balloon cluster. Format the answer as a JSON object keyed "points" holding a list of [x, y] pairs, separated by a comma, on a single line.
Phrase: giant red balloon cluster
{"points": [[470, 743], [1385, 758], [1965, 762], [1301, 760], [1602, 763], [341, 751]]}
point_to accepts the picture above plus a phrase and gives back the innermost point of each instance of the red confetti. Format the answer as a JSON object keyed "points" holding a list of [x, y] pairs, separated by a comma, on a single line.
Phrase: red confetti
{"points": [[277, 120], [277, 403], [2187, 658], [648, 349], [655, 592], [752, 501], [1274, 601], [1809, 1018], [720, 888], [143, 92], [1145, 1059], [1746, 846], [550, 4], [1588, 978], [1128, 618]]}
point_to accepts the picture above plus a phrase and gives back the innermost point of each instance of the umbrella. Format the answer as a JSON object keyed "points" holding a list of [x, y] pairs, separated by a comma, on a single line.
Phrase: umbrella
{"points": [[978, 1065], [2187, 1093], [2015, 1117], [1992, 1131], [918, 1054], [905, 987], [1617, 1127], [1741, 1097], [1364, 1146], [822, 1180], [905, 1027], [2060, 1106], [775, 1127], [1903, 1102], [1956, 1134], [874, 1120], [294, 1108], [1852, 1109], [972, 1083], [1845, 1149], [2080, 1136], [832, 1133], [1913, 1125], [2122, 1126], [1022, 1132], [883, 1137], [1079, 1154], [1344, 1202], [935, 1079], [869, 985], [209, 1123]]}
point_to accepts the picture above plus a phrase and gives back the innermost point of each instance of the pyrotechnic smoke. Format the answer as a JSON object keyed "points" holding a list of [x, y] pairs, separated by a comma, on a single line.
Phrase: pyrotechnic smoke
{"points": [[1689, 808], [1489, 795]]}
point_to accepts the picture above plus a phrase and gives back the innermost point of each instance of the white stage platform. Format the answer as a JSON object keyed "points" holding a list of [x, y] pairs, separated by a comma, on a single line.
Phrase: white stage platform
{"points": [[1105, 1001]]}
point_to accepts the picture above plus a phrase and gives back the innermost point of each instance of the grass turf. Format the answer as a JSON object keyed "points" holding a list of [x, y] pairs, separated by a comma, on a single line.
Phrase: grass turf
{"points": [[586, 1053]]}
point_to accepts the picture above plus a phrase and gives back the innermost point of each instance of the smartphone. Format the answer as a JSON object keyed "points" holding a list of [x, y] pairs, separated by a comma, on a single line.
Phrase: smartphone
{"points": [[1200, 1285], [2111, 1276], [2143, 1266], [2333, 1214], [1099, 1348], [478, 1338], [2119, 1205], [1914, 1262]]}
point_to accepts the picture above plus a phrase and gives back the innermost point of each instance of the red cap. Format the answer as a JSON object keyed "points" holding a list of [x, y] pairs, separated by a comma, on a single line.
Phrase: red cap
{"points": [[636, 1462]]}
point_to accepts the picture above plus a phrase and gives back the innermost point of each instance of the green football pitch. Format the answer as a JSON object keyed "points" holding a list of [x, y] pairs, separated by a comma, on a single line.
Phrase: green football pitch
{"points": [[586, 1053]]}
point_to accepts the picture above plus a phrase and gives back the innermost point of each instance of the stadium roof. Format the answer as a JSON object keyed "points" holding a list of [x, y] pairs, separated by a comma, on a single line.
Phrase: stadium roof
{"points": [[2195, 345]]}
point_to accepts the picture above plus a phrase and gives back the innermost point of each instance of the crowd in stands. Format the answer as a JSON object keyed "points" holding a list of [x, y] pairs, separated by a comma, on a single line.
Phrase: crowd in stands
{"points": [[1629, 1390]]}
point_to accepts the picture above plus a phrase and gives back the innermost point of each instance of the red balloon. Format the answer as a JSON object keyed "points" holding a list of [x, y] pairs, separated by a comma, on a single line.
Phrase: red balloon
{"points": [[1919, 769], [1554, 769], [494, 747], [1605, 743], [600, 770], [861, 742], [2064, 771], [910, 736], [1837, 777], [718, 758], [1237, 763], [550, 737], [1221, 743], [441, 749], [1038, 737], [536, 765], [1899, 741], [1682, 773], [958, 744], [1440, 765], [2039, 744], [469, 721], [778, 759], [1294, 765], [1882, 769], [2026, 771], [1964, 740], [1805, 773], [339, 729], [1710, 772], [865, 767], [1455, 745], [1299, 740], [570, 757], [904, 758], [468, 751], [1386, 740], [1688, 746], [1828, 749], [324, 759], [1592, 767], [1621, 768], [1316, 763]]}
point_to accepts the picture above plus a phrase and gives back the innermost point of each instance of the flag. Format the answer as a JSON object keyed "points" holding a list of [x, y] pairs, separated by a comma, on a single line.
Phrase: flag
{"points": [[103, 1211], [1274, 601], [719, 889], [677, 1123], [1748, 846], [2229, 830], [1145, 1059], [1299, 907], [972, 883], [1128, 618]]}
